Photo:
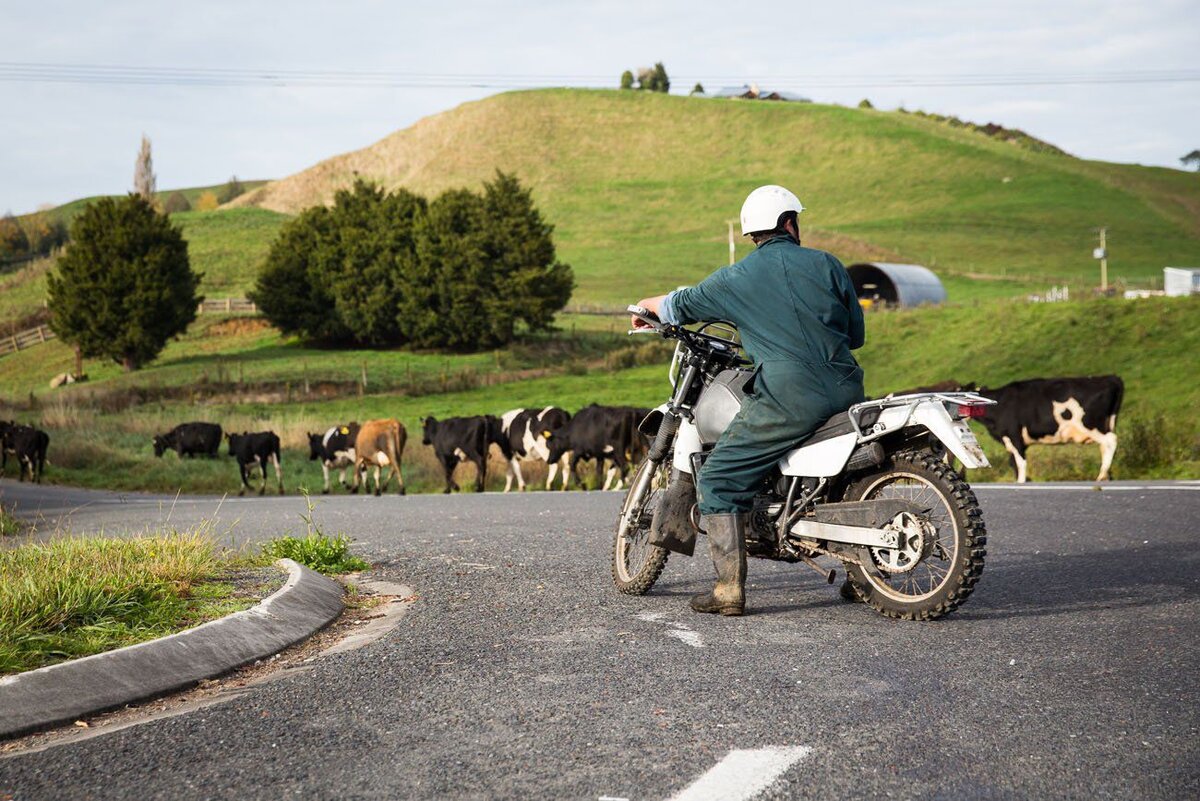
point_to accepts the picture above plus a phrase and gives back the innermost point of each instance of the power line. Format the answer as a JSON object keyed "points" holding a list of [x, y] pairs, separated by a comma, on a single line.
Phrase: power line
{"points": [[131, 75]]}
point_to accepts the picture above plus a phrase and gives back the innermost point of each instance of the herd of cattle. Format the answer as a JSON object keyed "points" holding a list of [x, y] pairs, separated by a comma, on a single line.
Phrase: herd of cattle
{"points": [[1049, 411], [607, 434]]}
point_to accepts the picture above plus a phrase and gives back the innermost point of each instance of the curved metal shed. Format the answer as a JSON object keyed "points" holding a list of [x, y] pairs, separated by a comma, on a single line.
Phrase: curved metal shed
{"points": [[897, 284]]}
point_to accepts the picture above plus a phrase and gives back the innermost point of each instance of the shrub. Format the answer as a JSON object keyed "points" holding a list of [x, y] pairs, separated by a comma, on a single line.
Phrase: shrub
{"points": [[864, 103], [176, 202], [13, 241], [125, 286], [698, 89], [626, 80], [207, 201]]}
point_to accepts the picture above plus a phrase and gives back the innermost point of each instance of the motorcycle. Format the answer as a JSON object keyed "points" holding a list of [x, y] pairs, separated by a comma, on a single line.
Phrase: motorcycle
{"points": [[870, 488]]}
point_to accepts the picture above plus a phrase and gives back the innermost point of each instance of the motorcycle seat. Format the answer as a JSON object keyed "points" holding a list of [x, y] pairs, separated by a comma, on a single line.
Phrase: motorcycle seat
{"points": [[841, 424]]}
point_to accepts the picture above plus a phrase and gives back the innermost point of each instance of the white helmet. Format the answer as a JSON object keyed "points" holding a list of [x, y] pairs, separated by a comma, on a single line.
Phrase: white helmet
{"points": [[763, 206]]}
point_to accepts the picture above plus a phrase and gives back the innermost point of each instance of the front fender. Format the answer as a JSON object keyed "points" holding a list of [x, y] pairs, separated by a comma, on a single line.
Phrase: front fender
{"points": [[651, 422]]}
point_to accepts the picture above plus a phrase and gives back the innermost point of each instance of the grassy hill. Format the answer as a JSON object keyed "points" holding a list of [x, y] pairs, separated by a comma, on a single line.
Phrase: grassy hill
{"points": [[640, 185]]}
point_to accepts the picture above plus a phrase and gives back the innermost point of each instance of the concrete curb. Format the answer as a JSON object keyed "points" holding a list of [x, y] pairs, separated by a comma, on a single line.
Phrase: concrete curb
{"points": [[63, 693]]}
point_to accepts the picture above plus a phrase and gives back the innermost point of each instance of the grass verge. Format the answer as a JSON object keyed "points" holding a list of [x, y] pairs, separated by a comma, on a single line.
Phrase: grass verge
{"points": [[316, 549], [73, 597], [9, 525]]}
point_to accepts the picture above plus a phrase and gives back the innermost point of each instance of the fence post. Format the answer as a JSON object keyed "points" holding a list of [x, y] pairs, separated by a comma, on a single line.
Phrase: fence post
{"points": [[228, 304], [41, 334]]}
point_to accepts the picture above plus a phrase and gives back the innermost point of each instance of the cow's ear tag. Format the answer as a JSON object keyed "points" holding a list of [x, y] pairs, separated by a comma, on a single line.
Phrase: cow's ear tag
{"points": [[345, 429], [546, 434]]}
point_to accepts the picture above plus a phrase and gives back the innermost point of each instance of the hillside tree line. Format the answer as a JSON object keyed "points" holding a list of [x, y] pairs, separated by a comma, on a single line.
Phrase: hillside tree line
{"points": [[463, 271]]}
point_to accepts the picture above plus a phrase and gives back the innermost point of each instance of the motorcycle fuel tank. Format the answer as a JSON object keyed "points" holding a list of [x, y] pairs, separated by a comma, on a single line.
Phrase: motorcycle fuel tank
{"points": [[720, 402]]}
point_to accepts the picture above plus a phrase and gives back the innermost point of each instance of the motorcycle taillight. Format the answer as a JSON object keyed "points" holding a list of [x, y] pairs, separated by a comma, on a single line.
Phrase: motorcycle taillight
{"points": [[971, 411]]}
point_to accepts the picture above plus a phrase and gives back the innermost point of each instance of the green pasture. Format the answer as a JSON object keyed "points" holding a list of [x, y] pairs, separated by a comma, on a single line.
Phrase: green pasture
{"points": [[1149, 343]]}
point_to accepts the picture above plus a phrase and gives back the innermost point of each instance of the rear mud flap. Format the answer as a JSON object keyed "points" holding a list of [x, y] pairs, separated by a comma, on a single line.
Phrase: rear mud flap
{"points": [[672, 527]]}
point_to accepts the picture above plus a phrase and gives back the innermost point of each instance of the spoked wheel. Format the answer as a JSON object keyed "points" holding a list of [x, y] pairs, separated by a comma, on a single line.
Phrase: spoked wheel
{"points": [[940, 553], [636, 564]]}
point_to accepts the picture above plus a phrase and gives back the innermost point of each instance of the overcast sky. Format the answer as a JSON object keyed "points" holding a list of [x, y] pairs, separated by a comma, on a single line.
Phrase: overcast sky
{"points": [[59, 141]]}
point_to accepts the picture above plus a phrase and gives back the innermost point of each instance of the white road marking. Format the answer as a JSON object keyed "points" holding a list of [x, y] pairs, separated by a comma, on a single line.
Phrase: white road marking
{"points": [[688, 636], [677, 630], [742, 775]]}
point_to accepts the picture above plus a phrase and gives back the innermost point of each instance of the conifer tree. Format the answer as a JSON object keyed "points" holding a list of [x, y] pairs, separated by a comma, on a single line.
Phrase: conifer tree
{"points": [[124, 287]]}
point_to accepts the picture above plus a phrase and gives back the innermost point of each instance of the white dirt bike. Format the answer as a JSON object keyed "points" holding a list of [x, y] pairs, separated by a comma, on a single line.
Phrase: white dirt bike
{"points": [[869, 488]]}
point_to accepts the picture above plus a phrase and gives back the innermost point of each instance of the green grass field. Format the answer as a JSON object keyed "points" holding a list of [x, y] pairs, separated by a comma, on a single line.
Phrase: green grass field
{"points": [[1150, 344]]}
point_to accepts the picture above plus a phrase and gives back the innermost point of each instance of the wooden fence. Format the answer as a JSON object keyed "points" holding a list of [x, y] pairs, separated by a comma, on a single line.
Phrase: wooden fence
{"points": [[25, 339], [226, 305]]}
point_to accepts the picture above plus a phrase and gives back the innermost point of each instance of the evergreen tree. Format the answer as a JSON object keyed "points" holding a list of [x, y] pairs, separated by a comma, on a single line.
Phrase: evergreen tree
{"points": [[233, 187], [144, 180], [376, 268], [661, 82], [333, 273], [290, 290], [124, 287]]}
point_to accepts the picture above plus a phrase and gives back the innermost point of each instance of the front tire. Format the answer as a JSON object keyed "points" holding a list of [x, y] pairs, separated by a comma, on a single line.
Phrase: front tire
{"points": [[951, 555], [636, 564]]}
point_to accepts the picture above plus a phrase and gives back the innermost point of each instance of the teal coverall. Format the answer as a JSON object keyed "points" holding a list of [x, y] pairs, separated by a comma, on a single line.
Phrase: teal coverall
{"points": [[799, 318]]}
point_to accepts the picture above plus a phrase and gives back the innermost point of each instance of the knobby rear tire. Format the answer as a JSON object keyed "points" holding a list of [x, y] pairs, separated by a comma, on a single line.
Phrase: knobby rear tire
{"points": [[969, 537], [637, 578]]}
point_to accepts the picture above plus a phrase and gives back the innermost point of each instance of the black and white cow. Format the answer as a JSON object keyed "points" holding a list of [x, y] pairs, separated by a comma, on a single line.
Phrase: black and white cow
{"points": [[335, 449], [524, 429], [190, 439], [603, 433], [256, 449], [1055, 411], [28, 445], [464, 439]]}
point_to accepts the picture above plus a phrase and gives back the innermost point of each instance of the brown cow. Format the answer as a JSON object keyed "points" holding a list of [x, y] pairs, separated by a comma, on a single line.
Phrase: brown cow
{"points": [[380, 443]]}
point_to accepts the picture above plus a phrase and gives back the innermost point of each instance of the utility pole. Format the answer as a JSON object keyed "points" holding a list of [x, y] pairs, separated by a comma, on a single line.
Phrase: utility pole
{"points": [[732, 256], [1101, 253]]}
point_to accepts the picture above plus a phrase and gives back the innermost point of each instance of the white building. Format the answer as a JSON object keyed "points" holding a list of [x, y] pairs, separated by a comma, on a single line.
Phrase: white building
{"points": [[1181, 281]]}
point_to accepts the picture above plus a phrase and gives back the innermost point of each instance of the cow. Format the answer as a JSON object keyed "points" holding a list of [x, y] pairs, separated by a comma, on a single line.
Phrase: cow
{"points": [[603, 433], [256, 449], [379, 444], [1054, 411], [465, 439], [522, 429], [335, 450], [28, 445], [190, 439]]}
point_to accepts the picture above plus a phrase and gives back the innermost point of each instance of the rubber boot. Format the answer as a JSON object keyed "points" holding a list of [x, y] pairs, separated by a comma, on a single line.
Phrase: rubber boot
{"points": [[727, 547]]}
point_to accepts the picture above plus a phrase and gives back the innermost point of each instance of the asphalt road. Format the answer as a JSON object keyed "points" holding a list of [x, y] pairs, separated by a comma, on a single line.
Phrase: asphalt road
{"points": [[1072, 672]]}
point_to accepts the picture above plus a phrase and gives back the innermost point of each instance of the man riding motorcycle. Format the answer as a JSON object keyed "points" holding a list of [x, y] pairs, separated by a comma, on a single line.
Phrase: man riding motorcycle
{"points": [[799, 318]]}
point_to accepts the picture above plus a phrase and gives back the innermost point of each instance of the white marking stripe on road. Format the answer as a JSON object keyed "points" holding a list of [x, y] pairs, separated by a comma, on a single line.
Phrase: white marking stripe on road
{"points": [[741, 775], [688, 636]]}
